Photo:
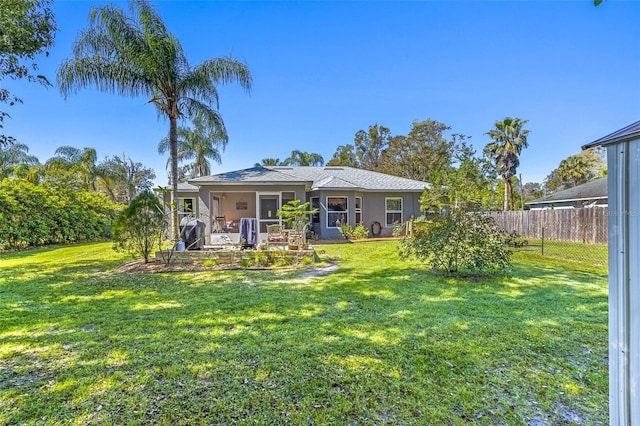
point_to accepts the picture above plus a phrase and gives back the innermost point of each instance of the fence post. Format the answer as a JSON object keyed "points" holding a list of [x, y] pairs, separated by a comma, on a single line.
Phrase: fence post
{"points": [[542, 239]]}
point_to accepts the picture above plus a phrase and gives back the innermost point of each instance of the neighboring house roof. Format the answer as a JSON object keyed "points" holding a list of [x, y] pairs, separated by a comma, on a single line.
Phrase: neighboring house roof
{"points": [[333, 178], [632, 131], [594, 190]]}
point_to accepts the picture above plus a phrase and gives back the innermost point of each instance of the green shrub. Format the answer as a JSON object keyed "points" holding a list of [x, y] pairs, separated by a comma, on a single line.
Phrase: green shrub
{"points": [[458, 241], [139, 228], [398, 229], [34, 215], [357, 233]]}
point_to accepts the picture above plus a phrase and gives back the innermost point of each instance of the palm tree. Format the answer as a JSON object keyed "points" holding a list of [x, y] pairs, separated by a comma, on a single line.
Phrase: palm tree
{"points": [[198, 144], [268, 162], [14, 156], [136, 55], [300, 158], [75, 167], [509, 138]]}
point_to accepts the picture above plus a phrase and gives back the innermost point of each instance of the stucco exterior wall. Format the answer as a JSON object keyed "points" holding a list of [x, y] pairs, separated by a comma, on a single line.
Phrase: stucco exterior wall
{"points": [[373, 210]]}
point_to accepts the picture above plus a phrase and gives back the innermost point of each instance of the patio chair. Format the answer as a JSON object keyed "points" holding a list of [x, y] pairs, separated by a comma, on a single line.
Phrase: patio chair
{"points": [[220, 224], [277, 235]]}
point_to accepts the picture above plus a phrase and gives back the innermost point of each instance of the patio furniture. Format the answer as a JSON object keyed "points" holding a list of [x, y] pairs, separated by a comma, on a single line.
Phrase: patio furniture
{"points": [[220, 224], [277, 235], [192, 232]]}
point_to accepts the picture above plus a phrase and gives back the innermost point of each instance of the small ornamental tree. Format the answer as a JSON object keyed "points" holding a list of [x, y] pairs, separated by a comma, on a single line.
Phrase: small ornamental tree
{"points": [[296, 215], [140, 227], [458, 241]]}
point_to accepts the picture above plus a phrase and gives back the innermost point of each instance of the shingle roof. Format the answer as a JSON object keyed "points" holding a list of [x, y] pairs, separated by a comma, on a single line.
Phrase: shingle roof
{"points": [[352, 178], [332, 182], [632, 131], [255, 175], [185, 187], [594, 190], [335, 178]]}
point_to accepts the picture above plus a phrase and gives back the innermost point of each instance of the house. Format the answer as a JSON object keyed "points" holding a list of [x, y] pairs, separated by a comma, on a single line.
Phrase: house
{"points": [[590, 194], [342, 195], [623, 160]]}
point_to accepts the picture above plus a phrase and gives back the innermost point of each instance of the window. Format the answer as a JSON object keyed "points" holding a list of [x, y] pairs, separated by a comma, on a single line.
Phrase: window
{"points": [[393, 210], [337, 212], [315, 205], [186, 207], [358, 210]]}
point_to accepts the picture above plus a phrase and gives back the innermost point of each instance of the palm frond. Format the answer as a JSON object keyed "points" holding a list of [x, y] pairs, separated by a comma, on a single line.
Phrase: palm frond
{"points": [[227, 70]]}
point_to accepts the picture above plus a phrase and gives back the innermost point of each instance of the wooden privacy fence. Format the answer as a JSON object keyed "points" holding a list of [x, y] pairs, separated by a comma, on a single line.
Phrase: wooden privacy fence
{"points": [[587, 225]]}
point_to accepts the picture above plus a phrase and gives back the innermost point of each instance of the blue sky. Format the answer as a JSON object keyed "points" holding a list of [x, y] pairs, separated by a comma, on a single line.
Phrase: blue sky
{"points": [[324, 70]]}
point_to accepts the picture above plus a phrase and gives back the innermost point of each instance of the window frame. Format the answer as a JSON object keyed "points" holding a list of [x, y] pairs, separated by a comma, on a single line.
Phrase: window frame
{"points": [[357, 208], [181, 210], [315, 204], [388, 211], [345, 212]]}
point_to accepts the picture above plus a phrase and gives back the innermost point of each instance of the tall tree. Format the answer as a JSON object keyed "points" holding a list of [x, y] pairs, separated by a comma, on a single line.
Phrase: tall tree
{"points": [[122, 178], [577, 169], [424, 154], [509, 137], [469, 182], [13, 157], [74, 167], [370, 146], [303, 158], [268, 162], [136, 55], [27, 28], [199, 144], [344, 156]]}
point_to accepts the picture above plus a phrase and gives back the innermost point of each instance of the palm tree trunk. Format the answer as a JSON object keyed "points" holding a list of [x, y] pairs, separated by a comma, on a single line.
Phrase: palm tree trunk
{"points": [[507, 192], [173, 156]]}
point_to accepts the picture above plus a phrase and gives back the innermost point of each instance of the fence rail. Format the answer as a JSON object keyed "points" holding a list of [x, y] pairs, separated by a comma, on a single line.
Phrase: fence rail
{"points": [[577, 225]]}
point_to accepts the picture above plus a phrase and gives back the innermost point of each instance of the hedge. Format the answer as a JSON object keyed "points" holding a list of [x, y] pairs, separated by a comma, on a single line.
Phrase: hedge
{"points": [[35, 215]]}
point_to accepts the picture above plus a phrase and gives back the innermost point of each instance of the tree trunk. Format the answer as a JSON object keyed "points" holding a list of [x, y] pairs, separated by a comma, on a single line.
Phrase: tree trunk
{"points": [[507, 191], [173, 157]]}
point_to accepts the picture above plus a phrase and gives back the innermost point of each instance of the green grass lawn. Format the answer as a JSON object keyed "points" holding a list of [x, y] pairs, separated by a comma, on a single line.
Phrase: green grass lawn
{"points": [[377, 341], [593, 254]]}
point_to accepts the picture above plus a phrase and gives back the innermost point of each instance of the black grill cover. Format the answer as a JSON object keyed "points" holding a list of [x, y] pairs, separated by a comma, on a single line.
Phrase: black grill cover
{"points": [[192, 232]]}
